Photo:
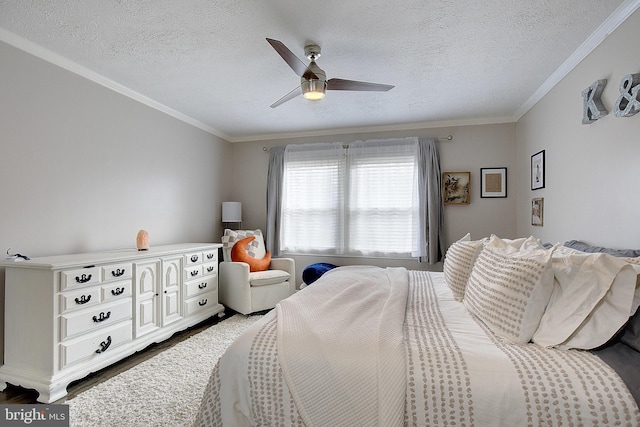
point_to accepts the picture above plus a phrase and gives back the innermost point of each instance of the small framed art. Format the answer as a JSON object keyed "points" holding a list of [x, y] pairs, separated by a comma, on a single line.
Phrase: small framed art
{"points": [[537, 211], [537, 170], [456, 188], [493, 182]]}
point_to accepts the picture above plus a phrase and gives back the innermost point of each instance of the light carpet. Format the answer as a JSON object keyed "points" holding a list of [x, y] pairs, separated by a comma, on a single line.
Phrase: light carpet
{"points": [[162, 391]]}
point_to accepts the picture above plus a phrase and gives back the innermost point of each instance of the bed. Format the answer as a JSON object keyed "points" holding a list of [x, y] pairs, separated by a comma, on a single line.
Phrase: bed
{"points": [[511, 333]]}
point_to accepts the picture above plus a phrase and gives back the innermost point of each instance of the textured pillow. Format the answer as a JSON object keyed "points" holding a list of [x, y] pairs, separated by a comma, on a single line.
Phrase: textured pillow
{"points": [[255, 249], [591, 300], [239, 253], [458, 263], [508, 291]]}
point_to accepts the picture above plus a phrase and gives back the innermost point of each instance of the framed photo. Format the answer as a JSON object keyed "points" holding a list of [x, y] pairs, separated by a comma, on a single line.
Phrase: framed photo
{"points": [[537, 170], [456, 188], [537, 211], [493, 182]]}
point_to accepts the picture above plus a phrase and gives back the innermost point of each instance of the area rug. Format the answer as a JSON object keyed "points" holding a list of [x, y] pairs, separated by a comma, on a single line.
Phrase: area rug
{"points": [[162, 391]]}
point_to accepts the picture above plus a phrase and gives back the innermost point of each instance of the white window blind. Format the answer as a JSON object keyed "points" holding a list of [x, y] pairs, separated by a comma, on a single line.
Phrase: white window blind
{"points": [[360, 200], [313, 198]]}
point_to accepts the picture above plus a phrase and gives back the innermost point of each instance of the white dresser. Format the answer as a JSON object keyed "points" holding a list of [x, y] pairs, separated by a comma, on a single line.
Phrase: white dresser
{"points": [[67, 316]]}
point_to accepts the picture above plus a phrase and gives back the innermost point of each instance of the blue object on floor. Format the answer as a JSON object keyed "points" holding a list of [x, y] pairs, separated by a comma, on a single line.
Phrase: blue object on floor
{"points": [[314, 271]]}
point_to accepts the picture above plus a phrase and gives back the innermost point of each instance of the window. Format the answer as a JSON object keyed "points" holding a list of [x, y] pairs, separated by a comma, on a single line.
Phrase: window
{"points": [[355, 200]]}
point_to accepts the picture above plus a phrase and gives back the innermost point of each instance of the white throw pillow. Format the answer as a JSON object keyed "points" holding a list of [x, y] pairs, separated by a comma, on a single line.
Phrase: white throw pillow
{"points": [[509, 289], [458, 263], [592, 299], [514, 245]]}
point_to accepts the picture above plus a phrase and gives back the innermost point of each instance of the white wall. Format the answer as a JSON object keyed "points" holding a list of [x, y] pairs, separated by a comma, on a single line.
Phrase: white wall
{"points": [[592, 188], [83, 168], [473, 147]]}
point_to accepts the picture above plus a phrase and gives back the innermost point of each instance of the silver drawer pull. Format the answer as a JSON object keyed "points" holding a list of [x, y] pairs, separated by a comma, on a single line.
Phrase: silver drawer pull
{"points": [[117, 291], [104, 345], [102, 317], [202, 302], [202, 285], [195, 273], [83, 279], [83, 299], [194, 258], [118, 272]]}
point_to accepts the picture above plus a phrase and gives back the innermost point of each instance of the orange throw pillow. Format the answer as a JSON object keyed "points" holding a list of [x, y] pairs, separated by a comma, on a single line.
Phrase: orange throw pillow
{"points": [[239, 254]]}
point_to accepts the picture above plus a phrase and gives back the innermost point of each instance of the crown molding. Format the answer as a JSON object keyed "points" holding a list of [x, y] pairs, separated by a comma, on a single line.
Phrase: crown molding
{"points": [[62, 62], [602, 32]]}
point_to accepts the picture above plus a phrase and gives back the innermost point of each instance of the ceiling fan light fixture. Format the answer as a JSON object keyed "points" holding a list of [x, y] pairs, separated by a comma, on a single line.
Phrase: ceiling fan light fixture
{"points": [[313, 90]]}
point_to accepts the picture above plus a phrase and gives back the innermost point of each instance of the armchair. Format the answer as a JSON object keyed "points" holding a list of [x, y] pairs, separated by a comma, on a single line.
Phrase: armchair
{"points": [[245, 291]]}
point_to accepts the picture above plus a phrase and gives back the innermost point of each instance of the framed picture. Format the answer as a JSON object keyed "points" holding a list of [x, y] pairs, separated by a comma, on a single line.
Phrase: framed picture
{"points": [[537, 211], [493, 182], [537, 170], [456, 188]]}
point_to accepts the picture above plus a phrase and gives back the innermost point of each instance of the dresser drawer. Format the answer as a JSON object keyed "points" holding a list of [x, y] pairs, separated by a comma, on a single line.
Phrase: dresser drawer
{"points": [[95, 344], [197, 287], [200, 303], [76, 300], [116, 290], [117, 272], [210, 268], [79, 277], [193, 258], [210, 256], [193, 272], [100, 316]]}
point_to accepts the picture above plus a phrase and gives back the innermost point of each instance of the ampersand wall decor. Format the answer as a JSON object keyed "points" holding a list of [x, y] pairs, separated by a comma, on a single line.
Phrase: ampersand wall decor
{"points": [[628, 103]]}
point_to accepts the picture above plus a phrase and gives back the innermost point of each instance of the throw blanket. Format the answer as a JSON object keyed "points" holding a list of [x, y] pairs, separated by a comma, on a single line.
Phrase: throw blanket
{"points": [[358, 364], [453, 369]]}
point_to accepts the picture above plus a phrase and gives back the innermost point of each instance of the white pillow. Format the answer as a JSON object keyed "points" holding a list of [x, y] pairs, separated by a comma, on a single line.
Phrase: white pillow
{"points": [[592, 299], [513, 245], [458, 263], [635, 263], [509, 289]]}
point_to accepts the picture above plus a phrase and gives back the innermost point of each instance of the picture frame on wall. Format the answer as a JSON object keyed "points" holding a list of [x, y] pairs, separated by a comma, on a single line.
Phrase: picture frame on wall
{"points": [[493, 182], [456, 188], [537, 211], [537, 171]]}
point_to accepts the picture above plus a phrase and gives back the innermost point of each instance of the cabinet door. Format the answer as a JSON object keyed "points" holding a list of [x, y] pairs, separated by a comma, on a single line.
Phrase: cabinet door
{"points": [[147, 317], [171, 281]]}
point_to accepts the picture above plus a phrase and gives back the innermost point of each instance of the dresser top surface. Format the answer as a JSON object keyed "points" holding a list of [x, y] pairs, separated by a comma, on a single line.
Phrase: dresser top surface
{"points": [[116, 255]]}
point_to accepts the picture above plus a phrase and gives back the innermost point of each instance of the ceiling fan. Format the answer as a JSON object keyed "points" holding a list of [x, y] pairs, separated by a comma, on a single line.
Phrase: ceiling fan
{"points": [[313, 80]]}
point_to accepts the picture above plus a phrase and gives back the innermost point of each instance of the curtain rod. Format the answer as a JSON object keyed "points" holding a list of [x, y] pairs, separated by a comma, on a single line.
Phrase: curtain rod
{"points": [[442, 138]]}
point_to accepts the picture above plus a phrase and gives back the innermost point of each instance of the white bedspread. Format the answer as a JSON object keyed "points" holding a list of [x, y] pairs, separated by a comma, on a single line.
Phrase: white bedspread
{"points": [[454, 371], [356, 346]]}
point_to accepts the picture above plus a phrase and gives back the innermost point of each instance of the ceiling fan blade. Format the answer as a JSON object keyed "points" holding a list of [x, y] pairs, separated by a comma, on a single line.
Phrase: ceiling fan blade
{"points": [[290, 58], [342, 84], [297, 91]]}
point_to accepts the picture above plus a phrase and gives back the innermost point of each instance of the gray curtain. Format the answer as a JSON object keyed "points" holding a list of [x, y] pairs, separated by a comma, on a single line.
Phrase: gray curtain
{"points": [[274, 194], [431, 203]]}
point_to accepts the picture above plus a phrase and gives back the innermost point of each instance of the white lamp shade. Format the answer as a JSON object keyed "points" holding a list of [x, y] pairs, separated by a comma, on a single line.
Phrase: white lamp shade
{"points": [[231, 212]]}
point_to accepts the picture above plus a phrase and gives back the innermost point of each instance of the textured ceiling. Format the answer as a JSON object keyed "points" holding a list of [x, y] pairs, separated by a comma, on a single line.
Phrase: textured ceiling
{"points": [[208, 61]]}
